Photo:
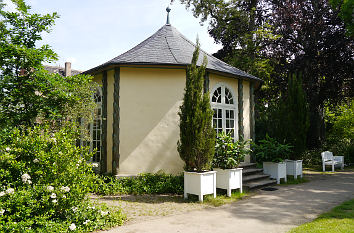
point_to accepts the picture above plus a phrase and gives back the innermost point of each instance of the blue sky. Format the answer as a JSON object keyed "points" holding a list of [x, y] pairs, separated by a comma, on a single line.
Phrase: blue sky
{"points": [[90, 32]]}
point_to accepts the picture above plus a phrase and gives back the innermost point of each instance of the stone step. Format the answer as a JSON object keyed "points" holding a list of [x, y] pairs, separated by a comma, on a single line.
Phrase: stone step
{"points": [[254, 177], [245, 165], [259, 184], [249, 171]]}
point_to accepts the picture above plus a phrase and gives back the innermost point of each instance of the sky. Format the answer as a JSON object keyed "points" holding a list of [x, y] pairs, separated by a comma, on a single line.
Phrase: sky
{"points": [[90, 32]]}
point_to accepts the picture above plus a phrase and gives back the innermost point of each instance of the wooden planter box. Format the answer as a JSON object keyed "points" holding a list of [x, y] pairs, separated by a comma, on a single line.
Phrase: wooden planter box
{"points": [[229, 179], [199, 183], [275, 170], [294, 168]]}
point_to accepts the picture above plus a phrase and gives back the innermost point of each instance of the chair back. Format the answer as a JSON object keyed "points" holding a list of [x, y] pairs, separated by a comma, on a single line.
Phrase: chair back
{"points": [[327, 155]]}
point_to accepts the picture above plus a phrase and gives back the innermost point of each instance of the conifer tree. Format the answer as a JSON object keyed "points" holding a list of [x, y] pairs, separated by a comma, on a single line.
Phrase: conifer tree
{"points": [[295, 116], [197, 136]]}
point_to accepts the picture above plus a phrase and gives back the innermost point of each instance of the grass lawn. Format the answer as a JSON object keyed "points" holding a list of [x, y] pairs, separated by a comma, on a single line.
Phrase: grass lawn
{"points": [[339, 220]]}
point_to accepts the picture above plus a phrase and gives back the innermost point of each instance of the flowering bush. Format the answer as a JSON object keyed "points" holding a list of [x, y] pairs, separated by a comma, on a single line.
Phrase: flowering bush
{"points": [[44, 181]]}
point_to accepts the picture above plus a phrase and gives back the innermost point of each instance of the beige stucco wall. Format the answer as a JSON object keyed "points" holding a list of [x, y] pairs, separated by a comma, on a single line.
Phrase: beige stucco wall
{"points": [[149, 130]]}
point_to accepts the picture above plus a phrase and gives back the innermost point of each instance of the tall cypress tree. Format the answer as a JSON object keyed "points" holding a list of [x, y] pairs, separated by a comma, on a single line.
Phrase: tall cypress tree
{"points": [[295, 116], [197, 136]]}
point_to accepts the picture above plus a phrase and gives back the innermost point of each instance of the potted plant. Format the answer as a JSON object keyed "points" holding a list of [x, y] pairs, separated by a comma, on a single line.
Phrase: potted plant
{"points": [[272, 154], [197, 136], [228, 155]]}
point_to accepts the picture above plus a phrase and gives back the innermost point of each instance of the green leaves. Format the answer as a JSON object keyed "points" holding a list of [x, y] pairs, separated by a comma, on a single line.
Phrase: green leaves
{"points": [[229, 153], [270, 150]]}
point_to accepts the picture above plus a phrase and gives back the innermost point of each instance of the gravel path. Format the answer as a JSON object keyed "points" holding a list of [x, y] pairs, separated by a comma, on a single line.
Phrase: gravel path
{"points": [[276, 211]]}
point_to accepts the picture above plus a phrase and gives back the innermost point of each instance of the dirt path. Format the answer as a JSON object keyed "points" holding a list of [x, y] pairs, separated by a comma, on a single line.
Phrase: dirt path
{"points": [[276, 211]]}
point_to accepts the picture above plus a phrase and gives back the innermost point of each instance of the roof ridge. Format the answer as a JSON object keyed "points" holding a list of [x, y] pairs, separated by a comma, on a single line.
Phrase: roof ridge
{"points": [[169, 48]]}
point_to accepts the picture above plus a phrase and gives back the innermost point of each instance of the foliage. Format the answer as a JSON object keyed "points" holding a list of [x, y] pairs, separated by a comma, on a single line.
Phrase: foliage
{"points": [[294, 118], [322, 53], [340, 124], [44, 182], [339, 219], [270, 150], [197, 136], [229, 154], [346, 9], [145, 183], [28, 93], [271, 38]]}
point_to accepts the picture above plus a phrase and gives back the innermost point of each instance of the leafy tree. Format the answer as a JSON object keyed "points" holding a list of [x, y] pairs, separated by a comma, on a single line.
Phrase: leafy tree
{"points": [[27, 92], [313, 42], [346, 9], [197, 136]]}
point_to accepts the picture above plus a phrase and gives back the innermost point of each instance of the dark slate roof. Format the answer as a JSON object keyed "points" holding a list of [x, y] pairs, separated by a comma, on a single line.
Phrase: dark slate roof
{"points": [[169, 47], [60, 70]]}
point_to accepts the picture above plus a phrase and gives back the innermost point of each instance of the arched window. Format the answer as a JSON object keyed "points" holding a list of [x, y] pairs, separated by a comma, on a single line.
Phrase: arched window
{"points": [[96, 127], [223, 103]]}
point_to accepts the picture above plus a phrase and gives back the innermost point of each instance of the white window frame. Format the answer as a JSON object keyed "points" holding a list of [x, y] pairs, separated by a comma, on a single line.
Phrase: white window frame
{"points": [[223, 106], [99, 139]]}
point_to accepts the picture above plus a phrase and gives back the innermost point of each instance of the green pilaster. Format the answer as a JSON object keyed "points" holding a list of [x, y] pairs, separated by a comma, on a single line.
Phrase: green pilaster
{"points": [[252, 116], [240, 109], [206, 82], [116, 118], [104, 124]]}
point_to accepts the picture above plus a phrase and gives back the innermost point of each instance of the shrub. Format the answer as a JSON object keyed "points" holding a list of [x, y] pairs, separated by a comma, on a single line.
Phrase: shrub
{"points": [[197, 136], [44, 182], [270, 150], [145, 183], [229, 154]]}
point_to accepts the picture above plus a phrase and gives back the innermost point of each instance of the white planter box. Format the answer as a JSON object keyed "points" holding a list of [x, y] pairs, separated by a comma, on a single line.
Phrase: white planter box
{"points": [[294, 168], [275, 170], [229, 179], [199, 183]]}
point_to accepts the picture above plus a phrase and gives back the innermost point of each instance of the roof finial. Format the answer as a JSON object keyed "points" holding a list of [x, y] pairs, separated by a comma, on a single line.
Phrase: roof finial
{"points": [[168, 9]]}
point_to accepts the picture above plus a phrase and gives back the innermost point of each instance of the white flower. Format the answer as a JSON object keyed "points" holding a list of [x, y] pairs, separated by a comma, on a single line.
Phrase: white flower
{"points": [[54, 140], [91, 207], [2, 193], [65, 189], [74, 209], [53, 195], [10, 191], [8, 149], [35, 160], [50, 188], [72, 227], [104, 213], [54, 201], [64, 196], [86, 222], [95, 165], [26, 178], [2, 211]]}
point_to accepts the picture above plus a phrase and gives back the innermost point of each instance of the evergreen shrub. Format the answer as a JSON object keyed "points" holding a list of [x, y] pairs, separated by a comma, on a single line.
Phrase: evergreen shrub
{"points": [[197, 136]]}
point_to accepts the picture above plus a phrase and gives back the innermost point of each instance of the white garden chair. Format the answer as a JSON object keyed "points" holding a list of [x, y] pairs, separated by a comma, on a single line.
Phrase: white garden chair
{"points": [[329, 159]]}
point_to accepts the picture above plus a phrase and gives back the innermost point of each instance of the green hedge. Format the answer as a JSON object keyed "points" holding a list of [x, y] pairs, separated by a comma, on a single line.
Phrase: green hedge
{"points": [[146, 183]]}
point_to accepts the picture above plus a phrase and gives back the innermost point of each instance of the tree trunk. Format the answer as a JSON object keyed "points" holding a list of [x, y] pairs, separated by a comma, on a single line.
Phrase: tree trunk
{"points": [[316, 132]]}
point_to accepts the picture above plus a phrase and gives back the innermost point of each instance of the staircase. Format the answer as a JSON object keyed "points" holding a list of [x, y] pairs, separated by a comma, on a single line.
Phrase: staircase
{"points": [[253, 177]]}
